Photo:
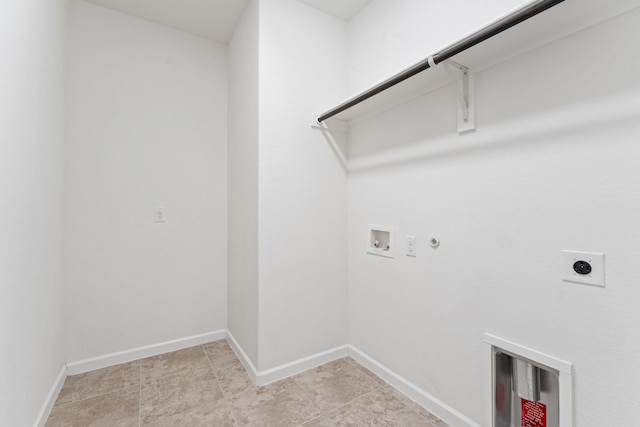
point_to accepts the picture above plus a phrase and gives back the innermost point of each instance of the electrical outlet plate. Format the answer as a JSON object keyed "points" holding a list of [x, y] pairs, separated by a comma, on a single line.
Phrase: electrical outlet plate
{"points": [[595, 260]]}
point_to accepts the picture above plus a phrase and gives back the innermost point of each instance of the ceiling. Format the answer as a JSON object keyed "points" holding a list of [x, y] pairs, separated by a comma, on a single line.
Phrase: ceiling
{"points": [[213, 19], [343, 9]]}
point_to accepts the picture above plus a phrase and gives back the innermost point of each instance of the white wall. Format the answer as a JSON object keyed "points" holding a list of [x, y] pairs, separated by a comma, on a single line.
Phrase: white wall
{"points": [[243, 183], [551, 166], [388, 36], [302, 183], [147, 127], [32, 41]]}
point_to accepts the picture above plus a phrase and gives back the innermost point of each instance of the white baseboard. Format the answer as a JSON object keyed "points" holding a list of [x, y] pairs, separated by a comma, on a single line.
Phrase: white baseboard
{"points": [[112, 359], [304, 364], [415, 393], [421, 397], [242, 356], [45, 411], [269, 376]]}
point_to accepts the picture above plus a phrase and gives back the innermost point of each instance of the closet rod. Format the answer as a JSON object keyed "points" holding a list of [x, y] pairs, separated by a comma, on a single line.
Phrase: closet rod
{"points": [[479, 36]]}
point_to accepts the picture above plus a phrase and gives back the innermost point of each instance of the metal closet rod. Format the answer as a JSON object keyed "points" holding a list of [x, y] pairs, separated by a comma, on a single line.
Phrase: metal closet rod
{"points": [[479, 36]]}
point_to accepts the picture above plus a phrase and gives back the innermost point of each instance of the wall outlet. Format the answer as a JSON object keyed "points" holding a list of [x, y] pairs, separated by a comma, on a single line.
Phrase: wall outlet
{"points": [[160, 214], [583, 267]]}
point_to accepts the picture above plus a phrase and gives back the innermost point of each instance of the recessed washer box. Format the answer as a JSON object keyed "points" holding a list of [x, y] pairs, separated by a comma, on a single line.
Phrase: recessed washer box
{"points": [[380, 240], [583, 267]]}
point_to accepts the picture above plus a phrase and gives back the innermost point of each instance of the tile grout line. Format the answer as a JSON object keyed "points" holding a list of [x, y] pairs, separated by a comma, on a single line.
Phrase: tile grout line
{"points": [[310, 398], [179, 373], [386, 384], [378, 387], [357, 365], [104, 393], [140, 393], [224, 395], [323, 412]]}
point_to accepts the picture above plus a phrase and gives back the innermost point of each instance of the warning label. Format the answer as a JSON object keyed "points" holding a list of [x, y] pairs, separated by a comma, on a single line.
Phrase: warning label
{"points": [[534, 414]]}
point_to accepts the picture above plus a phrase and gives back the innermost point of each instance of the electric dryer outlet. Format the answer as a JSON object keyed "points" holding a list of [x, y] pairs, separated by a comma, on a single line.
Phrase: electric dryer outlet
{"points": [[583, 267]]}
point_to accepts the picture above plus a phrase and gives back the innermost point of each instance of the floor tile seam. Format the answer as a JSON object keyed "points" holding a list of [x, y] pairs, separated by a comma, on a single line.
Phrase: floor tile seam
{"points": [[228, 394], [233, 417], [227, 399], [104, 392], [362, 396], [362, 368], [148, 382], [309, 397], [430, 423], [160, 356], [353, 362], [188, 369], [140, 395], [308, 421], [160, 417], [224, 394], [312, 419], [215, 375], [414, 402], [173, 414], [337, 408], [206, 382], [188, 408], [359, 366], [385, 422], [73, 402], [375, 383]]}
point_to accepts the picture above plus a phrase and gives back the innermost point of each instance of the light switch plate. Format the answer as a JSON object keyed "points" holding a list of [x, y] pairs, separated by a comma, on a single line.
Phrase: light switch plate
{"points": [[160, 214], [596, 263], [411, 246]]}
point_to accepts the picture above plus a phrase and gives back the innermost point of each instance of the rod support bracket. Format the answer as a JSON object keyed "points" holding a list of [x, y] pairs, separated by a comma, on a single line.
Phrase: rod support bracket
{"points": [[463, 85], [330, 124]]}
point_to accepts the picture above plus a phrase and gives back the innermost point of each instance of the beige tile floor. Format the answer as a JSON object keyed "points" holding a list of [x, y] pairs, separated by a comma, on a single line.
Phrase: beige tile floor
{"points": [[207, 386]]}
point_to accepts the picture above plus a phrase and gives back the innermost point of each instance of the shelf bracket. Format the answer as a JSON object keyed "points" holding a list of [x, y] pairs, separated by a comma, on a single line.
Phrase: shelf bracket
{"points": [[332, 124], [462, 83]]}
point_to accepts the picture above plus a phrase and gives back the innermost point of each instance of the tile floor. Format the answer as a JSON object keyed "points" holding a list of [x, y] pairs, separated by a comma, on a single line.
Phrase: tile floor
{"points": [[207, 386]]}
